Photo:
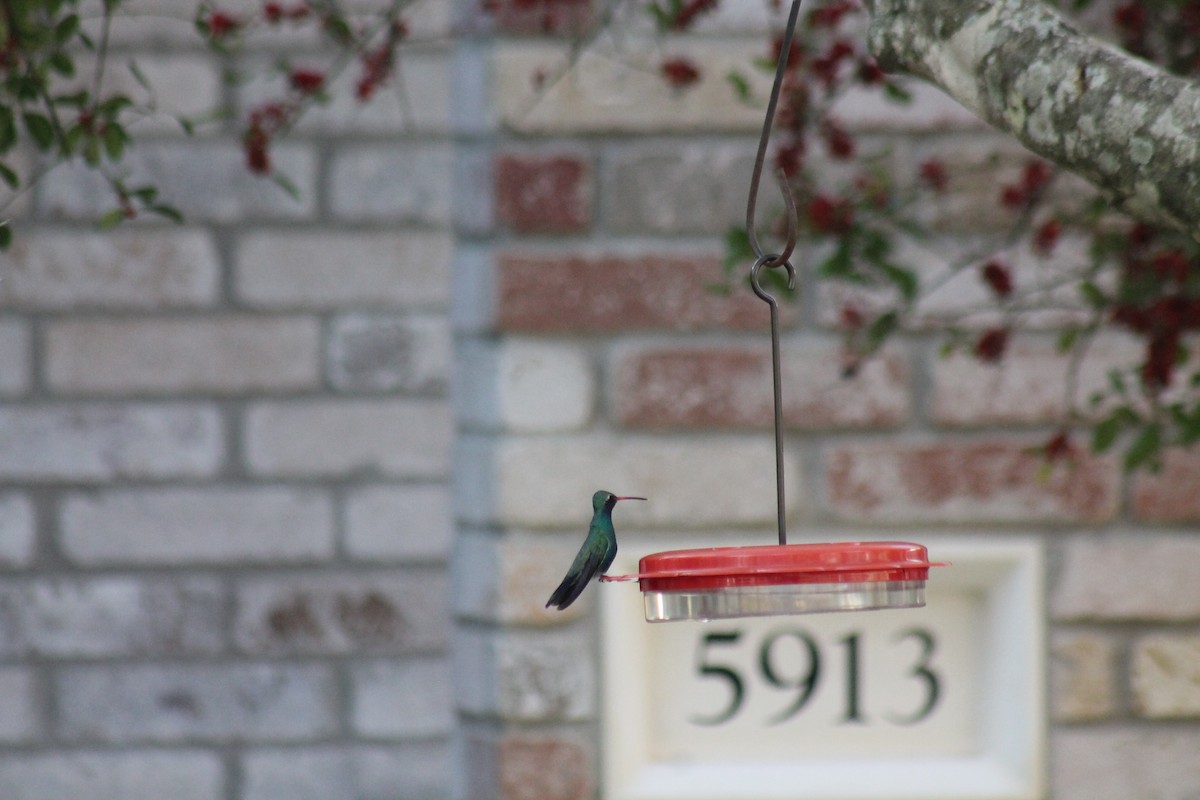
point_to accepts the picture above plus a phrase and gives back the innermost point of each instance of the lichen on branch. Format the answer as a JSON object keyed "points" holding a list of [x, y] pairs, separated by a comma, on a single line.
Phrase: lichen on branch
{"points": [[1129, 127]]}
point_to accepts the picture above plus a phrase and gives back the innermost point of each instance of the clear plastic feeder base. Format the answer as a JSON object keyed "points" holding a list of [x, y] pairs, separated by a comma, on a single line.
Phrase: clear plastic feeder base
{"points": [[727, 582], [766, 601]]}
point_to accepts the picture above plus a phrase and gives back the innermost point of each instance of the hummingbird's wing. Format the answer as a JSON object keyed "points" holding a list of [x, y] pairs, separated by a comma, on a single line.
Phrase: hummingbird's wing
{"points": [[587, 563]]}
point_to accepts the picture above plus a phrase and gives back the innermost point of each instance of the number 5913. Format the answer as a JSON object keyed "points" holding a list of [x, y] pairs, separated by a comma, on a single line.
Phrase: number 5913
{"points": [[805, 683]]}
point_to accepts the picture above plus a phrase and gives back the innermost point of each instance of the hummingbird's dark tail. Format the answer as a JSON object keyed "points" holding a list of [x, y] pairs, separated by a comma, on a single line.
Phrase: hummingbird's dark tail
{"points": [[568, 591]]}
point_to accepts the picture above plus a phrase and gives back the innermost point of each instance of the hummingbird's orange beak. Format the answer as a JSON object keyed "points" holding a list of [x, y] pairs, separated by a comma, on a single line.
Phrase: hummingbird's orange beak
{"points": [[629, 498]]}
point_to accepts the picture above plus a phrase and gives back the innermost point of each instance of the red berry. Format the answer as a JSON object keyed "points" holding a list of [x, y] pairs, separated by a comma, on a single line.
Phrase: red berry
{"points": [[998, 277], [1046, 236], [829, 215], [680, 72], [991, 345], [222, 23], [306, 81], [933, 173]]}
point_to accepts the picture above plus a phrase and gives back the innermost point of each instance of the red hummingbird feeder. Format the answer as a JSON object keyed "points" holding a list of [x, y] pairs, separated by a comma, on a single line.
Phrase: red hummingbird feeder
{"points": [[724, 582], [767, 580]]}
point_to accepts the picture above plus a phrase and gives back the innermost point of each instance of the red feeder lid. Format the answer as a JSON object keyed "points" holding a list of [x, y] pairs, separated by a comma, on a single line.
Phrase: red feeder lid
{"points": [[712, 568]]}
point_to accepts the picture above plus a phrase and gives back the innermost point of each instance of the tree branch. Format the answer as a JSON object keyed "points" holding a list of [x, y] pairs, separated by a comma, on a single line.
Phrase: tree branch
{"points": [[1128, 127]]}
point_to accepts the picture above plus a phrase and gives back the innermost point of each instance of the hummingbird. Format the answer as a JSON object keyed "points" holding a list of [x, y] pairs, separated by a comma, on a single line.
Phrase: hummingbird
{"points": [[597, 553]]}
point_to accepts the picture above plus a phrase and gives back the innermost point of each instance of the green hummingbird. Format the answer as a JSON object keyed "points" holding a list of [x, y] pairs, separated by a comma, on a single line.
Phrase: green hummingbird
{"points": [[597, 553]]}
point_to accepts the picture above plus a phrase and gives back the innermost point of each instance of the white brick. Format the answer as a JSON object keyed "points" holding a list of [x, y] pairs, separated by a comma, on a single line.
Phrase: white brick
{"points": [[18, 535], [205, 180], [331, 270], [603, 93], [14, 357], [1144, 576], [417, 100], [183, 774], [508, 579], [218, 354], [525, 386], [397, 612], [1090, 763], [217, 525], [549, 481], [148, 23], [399, 523], [219, 702], [112, 617], [1165, 676], [125, 268], [1083, 677], [19, 696], [105, 441], [403, 182], [184, 85], [375, 353], [397, 438], [408, 697], [412, 770], [677, 188], [525, 676], [931, 109], [544, 386]]}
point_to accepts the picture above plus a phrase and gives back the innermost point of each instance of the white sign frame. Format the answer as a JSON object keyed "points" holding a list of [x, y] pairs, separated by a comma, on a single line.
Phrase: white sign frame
{"points": [[1006, 570]]}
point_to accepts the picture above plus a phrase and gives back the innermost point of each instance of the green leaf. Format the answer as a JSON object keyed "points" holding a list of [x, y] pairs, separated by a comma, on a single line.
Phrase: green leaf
{"points": [[67, 27], [72, 140], [40, 130], [167, 212], [288, 186], [880, 329], [139, 76], [1145, 447], [1105, 434], [91, 151], [145, 194], [78, 99], [113, 106], [8, 129], [741, 86], [9, 176], [1116, 382], [737, 249], [841, 263], [896, 93], [61, 63], [111, 219], [905, 280], [1067, 339], [6, 235], [115, 139], [1092, 295]]}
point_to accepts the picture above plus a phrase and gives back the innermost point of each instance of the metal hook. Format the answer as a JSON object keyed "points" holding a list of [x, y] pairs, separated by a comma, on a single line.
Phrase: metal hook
{"points": [[760, 159], [765, 261]]}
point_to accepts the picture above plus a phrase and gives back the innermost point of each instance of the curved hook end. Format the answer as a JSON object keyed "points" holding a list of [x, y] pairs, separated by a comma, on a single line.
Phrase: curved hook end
{"points": [[771, 261]]}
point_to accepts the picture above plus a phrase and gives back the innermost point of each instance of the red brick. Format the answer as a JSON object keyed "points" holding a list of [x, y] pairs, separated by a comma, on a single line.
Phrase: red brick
{"points": [[576, 294], [547, 17], [678, 387], [1170, 495], [514, 766], [537, 194], [977, 481], [543, 768], [1028, 386]]}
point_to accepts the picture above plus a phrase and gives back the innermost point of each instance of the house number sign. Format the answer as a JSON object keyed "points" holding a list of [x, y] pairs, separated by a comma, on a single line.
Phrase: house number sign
{"points": [[938, 702]]}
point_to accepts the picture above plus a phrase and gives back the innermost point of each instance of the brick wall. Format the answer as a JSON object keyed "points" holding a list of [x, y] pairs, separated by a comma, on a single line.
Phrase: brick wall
{"points": [[237, 455], [591, 354], [225, 456]]}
